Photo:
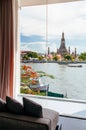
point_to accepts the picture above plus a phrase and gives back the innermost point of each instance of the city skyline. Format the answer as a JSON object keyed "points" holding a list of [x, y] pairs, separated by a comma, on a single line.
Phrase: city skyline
{"points": [[71, 20]]}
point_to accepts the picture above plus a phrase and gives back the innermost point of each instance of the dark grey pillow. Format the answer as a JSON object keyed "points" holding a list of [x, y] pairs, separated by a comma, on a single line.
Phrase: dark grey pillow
{"points": [[2, 105], [14, 106], [32, 108]]}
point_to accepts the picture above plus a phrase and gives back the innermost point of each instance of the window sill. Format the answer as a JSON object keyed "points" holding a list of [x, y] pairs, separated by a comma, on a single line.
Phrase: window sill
{"points": [[68, 107]]}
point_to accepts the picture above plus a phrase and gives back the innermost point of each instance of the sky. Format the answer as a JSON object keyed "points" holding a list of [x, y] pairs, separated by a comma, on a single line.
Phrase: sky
{"points": [[38, 32]]}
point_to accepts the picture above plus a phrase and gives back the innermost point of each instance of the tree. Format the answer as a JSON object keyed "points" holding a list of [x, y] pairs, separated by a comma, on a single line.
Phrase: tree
{"points": [[40, 57], [32, 54], [67, 57], [25, 57], [55, 58], [82, 56]]}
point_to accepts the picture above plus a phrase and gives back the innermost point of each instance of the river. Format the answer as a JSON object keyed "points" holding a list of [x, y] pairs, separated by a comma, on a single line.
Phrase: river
{"points": [[68, 80]]}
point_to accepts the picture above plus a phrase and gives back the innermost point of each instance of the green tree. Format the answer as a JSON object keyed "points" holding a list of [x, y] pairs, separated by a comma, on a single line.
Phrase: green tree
{"points": [[32, 54], [82, 56], [25, 57], [67, 57], [55, 58], [40, 57]]}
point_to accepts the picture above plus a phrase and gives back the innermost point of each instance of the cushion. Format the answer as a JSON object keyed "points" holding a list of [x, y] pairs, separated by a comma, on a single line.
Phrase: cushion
{"points": [[32, 108], [2, 105], [14, 106]]}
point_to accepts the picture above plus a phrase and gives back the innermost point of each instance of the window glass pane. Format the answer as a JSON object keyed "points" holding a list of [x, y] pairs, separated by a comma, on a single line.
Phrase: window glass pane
{"points": [[33, 49], [53, 50]]}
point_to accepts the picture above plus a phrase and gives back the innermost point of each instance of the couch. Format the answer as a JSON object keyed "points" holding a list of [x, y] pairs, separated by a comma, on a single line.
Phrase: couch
{"points": [[12, 121]]}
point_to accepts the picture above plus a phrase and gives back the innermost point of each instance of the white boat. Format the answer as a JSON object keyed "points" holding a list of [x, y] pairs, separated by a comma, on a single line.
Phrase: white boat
{"points": [[37, 85]]}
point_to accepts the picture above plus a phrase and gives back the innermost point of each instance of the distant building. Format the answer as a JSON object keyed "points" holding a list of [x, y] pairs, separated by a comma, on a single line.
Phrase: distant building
{"points": [[62, 50], [75, 52], [48, 50], [69, 50]]}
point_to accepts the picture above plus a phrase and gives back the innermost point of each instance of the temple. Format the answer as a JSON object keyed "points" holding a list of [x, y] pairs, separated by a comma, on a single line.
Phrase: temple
{"points": [[62, 50]]}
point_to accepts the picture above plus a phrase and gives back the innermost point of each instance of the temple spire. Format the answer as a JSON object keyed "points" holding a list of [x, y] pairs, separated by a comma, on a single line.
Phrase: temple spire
{"points": [[62, 50], [63, 35]]}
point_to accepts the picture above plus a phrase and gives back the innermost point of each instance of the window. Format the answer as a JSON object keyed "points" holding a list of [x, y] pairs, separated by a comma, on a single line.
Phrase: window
{"points": [[53, 50]]}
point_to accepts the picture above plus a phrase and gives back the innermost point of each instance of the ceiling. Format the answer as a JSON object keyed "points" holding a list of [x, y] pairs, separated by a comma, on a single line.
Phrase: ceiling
{"points": [[42, 2]]}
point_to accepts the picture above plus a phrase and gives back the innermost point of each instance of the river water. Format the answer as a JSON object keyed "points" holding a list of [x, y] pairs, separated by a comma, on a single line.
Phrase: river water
{"points": [[68, 80]]}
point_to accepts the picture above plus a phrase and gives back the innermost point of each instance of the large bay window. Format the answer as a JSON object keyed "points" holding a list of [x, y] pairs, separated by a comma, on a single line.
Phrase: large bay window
{"points": [[51, 37], [53, 54]]}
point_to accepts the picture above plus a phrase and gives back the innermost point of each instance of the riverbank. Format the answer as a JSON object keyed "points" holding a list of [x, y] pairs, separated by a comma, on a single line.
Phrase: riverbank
{"points": [[52, 61]]}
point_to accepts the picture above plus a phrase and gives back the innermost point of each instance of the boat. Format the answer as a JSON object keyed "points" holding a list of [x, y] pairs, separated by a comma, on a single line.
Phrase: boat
{"points": [[74, 65], [52, 94], [37, 85]]}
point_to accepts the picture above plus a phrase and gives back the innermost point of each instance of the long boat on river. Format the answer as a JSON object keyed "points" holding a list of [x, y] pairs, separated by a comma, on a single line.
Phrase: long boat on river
{"points": [[74, 65], [52, 94]]}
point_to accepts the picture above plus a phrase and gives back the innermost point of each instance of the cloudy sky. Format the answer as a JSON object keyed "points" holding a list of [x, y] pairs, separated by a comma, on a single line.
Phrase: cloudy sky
{"points": [[69, 18]]}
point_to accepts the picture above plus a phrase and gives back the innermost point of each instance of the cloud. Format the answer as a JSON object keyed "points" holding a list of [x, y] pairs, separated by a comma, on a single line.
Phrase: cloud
{"points": [[53, 47], [32, 20], [31, 38], [37, 47], [42, 47], [69, 18]]}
